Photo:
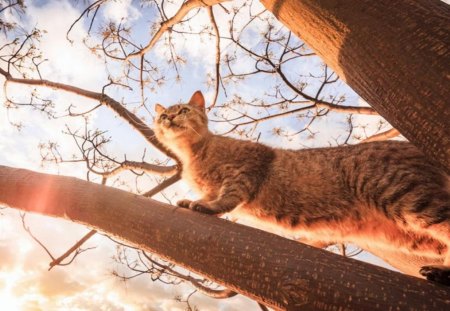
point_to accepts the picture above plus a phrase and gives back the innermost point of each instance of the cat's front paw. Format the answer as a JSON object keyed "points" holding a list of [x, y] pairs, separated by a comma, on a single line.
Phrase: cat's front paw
{"points": [[202, 207], [438, 274], [184, 203]]}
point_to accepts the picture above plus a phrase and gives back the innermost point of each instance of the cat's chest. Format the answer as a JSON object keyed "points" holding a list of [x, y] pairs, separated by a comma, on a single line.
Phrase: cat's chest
{"points": [[192, 180], [199, 180]]}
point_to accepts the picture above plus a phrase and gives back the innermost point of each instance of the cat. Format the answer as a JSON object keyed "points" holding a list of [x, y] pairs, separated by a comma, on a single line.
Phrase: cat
{"points": [[384, 197]]}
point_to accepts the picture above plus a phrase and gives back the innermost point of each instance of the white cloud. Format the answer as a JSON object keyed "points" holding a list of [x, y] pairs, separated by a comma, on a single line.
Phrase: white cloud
{"points": [[119, 11], [68, 62]]}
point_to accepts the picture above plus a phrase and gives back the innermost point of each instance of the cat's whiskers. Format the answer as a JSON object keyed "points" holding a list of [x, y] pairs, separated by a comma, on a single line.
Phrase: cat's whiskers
{"points": [[194, 130]]}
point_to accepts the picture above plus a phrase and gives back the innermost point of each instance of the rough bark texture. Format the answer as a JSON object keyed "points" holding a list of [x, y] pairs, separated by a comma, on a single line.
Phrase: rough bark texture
{"points": [[281, 273], [394, 54]]}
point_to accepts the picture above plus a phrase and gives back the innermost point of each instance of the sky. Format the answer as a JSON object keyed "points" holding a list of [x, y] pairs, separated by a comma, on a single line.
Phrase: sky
{"points": [[88, 283]]}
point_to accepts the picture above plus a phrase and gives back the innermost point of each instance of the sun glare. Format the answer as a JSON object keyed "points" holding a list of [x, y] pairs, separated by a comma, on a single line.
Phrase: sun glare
{"points": [[7, 299], [9, 302]]}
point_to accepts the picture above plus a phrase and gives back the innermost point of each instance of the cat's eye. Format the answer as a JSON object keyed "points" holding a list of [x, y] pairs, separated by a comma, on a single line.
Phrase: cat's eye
{"points": [[183, 111], [163, 116]]}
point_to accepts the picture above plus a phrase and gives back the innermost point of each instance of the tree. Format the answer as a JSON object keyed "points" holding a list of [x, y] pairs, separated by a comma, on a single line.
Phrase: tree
{"points": [[281, 273], [375, 54], [140, 67]]}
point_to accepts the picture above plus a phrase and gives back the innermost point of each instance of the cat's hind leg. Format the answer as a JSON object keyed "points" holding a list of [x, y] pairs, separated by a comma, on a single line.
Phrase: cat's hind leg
{"points": [[439, 273], [430, 215], [184, 203]]}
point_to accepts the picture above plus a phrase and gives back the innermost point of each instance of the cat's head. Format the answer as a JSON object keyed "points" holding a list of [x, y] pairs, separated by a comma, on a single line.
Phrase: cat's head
{"points": [[184, 122]]}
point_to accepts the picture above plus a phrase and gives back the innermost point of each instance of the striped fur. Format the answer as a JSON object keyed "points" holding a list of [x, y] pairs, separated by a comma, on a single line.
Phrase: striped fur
{"points": [[383, 195]]}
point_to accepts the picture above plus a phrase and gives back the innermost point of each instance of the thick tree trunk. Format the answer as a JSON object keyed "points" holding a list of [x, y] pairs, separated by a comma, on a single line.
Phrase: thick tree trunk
{"points": [[394, 54], [281, 273]]}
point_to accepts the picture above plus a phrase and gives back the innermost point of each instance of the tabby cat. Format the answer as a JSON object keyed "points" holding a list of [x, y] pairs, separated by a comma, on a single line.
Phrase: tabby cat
{"points": [[384, 197]]}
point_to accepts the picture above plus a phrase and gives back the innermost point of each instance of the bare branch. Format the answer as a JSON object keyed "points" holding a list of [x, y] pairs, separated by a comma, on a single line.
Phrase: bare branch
{"points": [[383, 136], [11, 4], [76, 246], [166, 183], [144, 166], [214, 293], [131, 118], [347, 109], [58, 261], [217, 67], [27, 229], [94, 6], [166, 25], [263, 307]]}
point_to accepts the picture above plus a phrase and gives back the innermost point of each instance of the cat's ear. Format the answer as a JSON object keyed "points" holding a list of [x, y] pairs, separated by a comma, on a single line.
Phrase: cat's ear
{"points": [[198, 100], [159, 108]]}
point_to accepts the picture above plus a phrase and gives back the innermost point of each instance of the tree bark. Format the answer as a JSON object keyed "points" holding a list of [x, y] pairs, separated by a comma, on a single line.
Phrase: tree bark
{"points": [[275, 271], [394, 54]]}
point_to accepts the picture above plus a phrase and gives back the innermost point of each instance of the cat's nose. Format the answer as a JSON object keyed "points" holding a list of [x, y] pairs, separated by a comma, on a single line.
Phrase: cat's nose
{"points": [[171, 117]]}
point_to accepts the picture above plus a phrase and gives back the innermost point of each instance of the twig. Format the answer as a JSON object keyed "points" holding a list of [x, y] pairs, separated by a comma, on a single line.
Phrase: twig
{"points": [[383, 136], [217, 65], [76, 246], [131, 118], [166, 183], [58, 261], [168, 24], [263, 307]]}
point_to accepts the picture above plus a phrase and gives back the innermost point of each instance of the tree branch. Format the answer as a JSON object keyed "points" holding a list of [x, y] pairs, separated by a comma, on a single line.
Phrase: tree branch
{"points": [[383, 136], [168, 24], [373, 61], [280, 273], [144, 166], [132, 119], [217, 65], [213, 293], [77, 245], [166, 183]]}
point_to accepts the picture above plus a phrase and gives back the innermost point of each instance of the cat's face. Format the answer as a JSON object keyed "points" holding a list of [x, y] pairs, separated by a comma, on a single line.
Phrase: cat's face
{"points": [[185, 122]]}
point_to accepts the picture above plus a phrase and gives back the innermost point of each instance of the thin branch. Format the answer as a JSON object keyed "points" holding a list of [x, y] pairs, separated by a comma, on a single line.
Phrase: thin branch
{"points": [[95, 5], [319, 102], [76, 246], [168, 24], [343, 249], [27, 229], [383, 136], [11, 5], [166, 183], [347, 109], [144, 166], [124, 113], [217, 65], [58, 261], [214, 293], [269, 117], [263, 307]]}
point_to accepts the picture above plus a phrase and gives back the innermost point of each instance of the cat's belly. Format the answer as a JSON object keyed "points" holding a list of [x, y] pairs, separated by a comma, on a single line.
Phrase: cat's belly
{"points": [[374, 231]]}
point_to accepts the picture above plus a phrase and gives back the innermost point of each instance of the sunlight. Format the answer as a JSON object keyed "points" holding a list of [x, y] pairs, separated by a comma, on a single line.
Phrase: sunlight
{"points": [[7, 299], [9, 302]]}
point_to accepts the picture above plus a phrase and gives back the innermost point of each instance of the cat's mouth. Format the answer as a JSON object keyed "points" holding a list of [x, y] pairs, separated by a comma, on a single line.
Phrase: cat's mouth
{"points": [[172, 125]]}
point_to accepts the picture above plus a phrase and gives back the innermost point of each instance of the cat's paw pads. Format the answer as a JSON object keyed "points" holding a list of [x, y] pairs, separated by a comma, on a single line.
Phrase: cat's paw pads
{"points": [[202, 207], [184, 203], [438, 274]]}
